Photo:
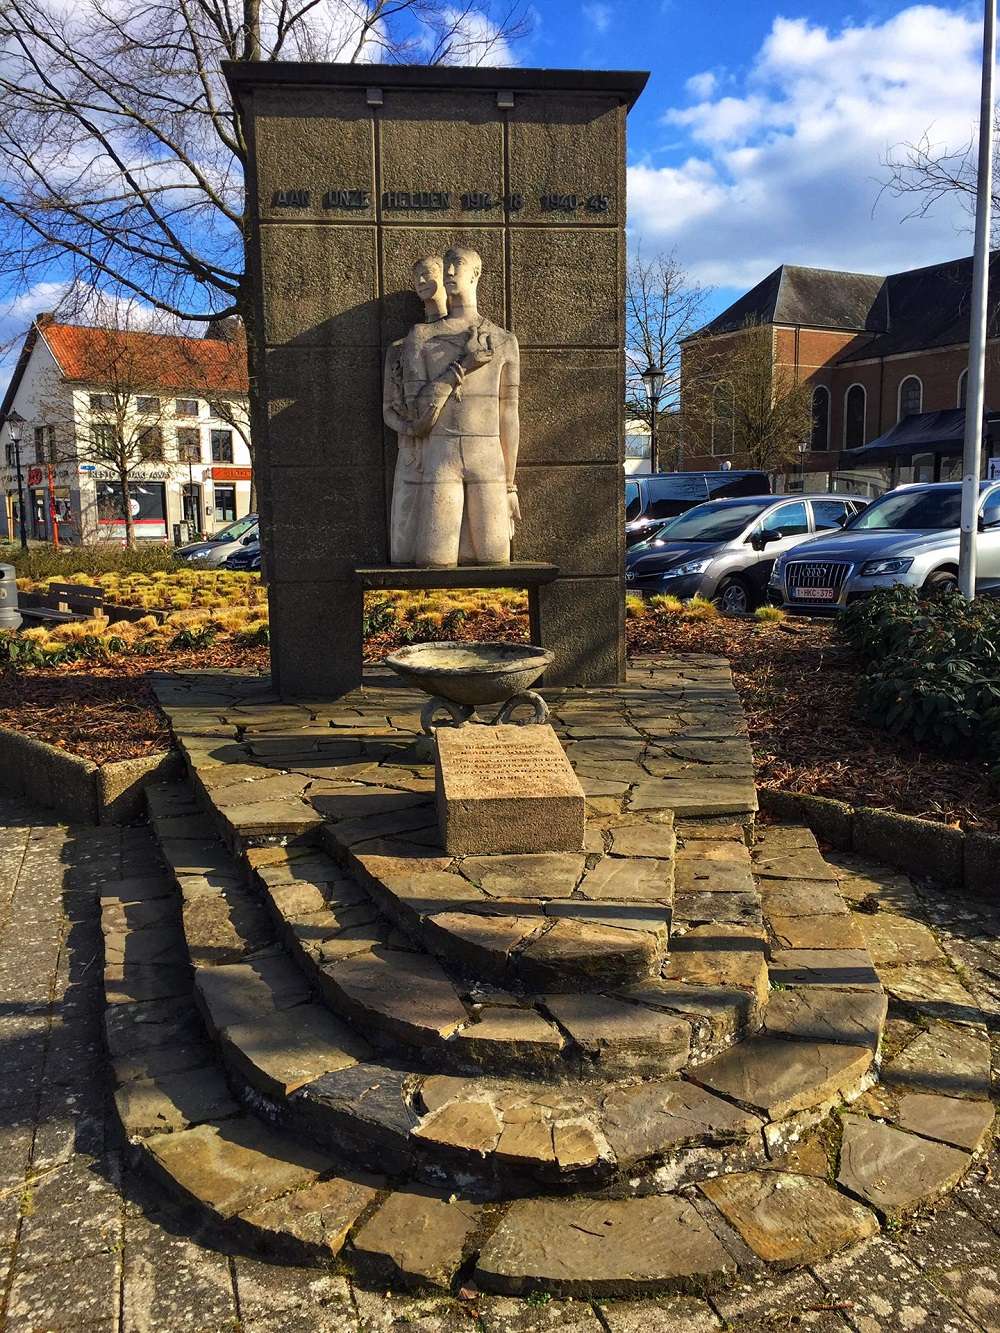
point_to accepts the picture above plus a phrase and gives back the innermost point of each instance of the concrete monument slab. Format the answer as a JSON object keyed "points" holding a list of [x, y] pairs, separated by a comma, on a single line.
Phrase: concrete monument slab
{"points": [[506, 789]]}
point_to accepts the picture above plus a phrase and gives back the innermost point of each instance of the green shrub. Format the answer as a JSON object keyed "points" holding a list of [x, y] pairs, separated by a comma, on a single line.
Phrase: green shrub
{"points": [[60, 563], [933, 668], [769, 615], [199, 636]]}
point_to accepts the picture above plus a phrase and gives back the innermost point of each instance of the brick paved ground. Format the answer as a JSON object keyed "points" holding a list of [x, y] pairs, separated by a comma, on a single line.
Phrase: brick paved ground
{"points": [[84, 1244]]}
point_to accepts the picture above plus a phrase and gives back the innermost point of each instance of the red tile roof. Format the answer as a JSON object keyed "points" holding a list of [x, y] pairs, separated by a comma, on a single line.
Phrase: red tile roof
{"points": [[199, 365]]}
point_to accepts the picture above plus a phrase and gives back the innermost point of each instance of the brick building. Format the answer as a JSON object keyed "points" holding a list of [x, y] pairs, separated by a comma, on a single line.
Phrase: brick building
{"points": [[886, 357]]}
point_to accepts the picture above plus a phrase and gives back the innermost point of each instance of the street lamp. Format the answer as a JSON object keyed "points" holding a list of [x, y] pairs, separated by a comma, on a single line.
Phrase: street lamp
{"points": [[15, 425], [653, 378]]}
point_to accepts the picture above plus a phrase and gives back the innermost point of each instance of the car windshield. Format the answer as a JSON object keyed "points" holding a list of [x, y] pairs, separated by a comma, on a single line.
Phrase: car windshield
{"points": [[913, 511], [717, 521], [236, 530]]}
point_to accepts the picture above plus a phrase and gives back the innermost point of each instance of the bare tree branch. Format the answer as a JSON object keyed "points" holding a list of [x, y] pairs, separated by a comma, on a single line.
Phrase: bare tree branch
{"points": [[662, 308]]}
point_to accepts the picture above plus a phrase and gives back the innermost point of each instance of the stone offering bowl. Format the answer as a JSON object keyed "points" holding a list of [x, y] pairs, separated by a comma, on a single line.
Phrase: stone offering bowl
{"points": [[471, 673]]}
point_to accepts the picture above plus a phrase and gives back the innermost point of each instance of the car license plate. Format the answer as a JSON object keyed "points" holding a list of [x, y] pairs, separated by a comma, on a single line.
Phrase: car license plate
{"points": [[815, 594]]}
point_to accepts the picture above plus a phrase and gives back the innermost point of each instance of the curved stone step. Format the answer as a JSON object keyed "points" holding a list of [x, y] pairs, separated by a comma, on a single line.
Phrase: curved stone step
{"points": [[265, 1190], [403, 1000]]}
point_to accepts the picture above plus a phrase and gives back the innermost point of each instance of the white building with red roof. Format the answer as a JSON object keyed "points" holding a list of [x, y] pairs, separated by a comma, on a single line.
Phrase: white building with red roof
{"points": [[187, 405]]}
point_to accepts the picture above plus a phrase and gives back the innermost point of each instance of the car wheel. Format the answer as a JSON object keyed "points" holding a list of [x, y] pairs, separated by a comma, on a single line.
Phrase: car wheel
{"points": [[940, 582], [733, 597]]}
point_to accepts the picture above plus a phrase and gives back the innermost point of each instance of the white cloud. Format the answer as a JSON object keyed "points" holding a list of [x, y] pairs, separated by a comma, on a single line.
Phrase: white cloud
{"points": [[788, 168], [598, 15], [701, 85]]}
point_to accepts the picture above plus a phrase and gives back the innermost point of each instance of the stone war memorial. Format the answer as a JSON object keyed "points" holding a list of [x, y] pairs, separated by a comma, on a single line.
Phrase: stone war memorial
{"points": [[475, 973], [440, 275]]}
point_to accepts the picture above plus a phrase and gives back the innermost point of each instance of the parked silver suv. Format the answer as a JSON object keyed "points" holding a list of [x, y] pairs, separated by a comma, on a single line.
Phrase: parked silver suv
{"points": [[724, 549], [910, 535]]}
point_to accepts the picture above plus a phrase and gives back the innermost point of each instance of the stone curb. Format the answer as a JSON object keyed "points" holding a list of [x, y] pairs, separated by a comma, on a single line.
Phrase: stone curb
{"points": [[76, 788], [969, 860]]}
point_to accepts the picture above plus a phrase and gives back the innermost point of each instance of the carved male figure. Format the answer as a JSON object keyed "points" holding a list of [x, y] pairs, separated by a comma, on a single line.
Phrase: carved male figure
{"points": [[460, 390]]}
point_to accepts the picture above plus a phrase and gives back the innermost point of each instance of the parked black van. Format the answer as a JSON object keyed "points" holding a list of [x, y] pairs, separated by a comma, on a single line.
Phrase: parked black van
{"points": [[651, 500]]}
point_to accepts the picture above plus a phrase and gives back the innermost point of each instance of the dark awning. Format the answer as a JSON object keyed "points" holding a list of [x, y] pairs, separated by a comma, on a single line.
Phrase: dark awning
{"points": [[922, 433]]}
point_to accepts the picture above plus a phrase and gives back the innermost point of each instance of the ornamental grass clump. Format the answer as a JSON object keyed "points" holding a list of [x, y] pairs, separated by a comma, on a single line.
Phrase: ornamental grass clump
{"points": [[700, 608], [932, 668], [666, 604]]}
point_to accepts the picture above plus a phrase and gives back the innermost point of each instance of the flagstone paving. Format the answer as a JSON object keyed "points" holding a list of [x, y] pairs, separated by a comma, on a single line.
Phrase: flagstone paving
{"points": [[88, 1242]]}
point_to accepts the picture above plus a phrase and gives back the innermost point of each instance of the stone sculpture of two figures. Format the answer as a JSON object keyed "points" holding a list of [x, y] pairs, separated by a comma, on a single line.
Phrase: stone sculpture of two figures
{"points": [[451, 395]]}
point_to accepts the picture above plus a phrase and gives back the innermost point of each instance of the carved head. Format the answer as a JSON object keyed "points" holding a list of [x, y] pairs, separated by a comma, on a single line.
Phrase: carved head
{"points": [[462, 268], [428, 276]]}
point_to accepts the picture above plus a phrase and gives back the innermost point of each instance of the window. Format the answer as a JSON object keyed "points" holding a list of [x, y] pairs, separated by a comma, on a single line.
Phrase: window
{"points": [[963, 384], [151, 445], [923, 467], [991, 510], [854, 417], [225, 504], [220, 409], [189, 444], [911, 397], [104, 439], [39, 444], [147, 406], [102, 402], [723, 423], [186, 407], [222, 446], [820, 438], [830, 513], [789, 520]]}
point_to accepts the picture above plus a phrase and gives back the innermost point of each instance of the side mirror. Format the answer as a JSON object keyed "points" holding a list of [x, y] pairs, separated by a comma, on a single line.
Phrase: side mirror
{"points": [[761, 539]]}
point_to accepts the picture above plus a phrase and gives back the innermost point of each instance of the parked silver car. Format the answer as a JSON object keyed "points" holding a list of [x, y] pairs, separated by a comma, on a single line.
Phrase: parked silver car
{"points": [[724, 549], [216, 549], [910, 535]]}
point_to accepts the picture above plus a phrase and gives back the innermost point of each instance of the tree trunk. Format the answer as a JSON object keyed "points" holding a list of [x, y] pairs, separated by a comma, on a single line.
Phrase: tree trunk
{"points": [[127, 511]]}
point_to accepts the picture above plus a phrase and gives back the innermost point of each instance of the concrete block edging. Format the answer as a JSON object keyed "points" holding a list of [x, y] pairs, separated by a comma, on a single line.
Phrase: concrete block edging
{"points": [[76, 788], [951, 856]]}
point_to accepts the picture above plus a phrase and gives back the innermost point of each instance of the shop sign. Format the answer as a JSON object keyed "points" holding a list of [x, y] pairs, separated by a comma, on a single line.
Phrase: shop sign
{"points": [[136, 474], [34, 476], [231, 473]]}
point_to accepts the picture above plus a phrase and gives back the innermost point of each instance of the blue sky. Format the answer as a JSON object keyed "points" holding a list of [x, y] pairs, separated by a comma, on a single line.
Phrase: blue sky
{"points": [[761, 133], [761, 136]]}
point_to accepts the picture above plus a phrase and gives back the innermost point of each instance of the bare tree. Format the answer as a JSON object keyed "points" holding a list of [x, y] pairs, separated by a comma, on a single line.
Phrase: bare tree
{"points": [[739, 401], [122, 158], [662, 307], [925, 172]]}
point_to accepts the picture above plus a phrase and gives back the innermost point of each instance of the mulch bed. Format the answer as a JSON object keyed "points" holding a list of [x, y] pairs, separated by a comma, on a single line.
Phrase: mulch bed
{"points": [[798, 686]]}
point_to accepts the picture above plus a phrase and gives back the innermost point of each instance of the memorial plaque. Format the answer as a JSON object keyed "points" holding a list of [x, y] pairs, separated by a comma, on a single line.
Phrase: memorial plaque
{"points": [[506, 789]]}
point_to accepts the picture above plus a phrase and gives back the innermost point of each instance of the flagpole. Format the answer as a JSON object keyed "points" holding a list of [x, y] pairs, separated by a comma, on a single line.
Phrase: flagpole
{"points": [[974, 399]]}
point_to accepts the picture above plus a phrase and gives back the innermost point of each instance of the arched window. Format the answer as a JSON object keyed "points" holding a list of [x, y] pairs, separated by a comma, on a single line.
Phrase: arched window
{"points": [[963, 385], [854, 416], [723, 423], [911, 397], [820, 438]]}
